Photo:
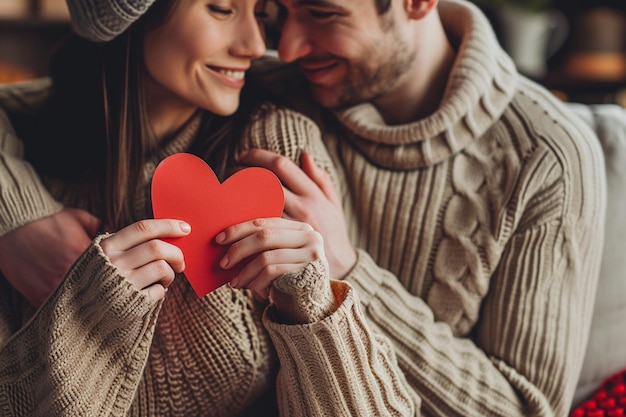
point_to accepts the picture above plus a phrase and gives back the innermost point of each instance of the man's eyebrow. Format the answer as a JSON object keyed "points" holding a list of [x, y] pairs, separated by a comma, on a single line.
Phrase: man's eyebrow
{"points": [[319, 3]]}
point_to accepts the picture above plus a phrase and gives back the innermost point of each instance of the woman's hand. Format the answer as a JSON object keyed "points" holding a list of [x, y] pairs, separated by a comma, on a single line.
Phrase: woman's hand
{"points": [[147, 262], [271, 247]]}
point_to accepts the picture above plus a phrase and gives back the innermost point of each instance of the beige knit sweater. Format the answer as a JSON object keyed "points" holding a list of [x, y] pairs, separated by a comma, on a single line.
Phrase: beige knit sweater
{"points": [[480, 232]]}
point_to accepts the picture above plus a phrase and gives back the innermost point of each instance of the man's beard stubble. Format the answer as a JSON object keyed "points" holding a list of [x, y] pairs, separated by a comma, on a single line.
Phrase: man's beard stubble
{"points": [[375, 74]]}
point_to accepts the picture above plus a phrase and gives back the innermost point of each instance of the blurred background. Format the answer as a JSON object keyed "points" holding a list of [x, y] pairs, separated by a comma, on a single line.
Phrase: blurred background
{"points": [[576, 48]]}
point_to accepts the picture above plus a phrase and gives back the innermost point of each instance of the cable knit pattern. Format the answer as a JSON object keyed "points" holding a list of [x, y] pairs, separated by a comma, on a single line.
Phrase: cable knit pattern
{"points": [[468, 251]]}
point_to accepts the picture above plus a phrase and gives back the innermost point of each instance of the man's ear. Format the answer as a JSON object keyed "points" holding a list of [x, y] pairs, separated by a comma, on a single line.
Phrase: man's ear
{"points": [[417, 9]]}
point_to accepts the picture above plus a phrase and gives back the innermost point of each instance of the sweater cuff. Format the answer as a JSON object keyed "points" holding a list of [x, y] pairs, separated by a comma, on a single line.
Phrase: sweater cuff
{"points": [[304, 296], [343, 295], [93, 282], [24, 202], [337, 366], [23, 196]]}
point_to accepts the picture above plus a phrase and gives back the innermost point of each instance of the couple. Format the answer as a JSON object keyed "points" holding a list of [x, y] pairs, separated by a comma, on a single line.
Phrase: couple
{"points": [[439, 249]]}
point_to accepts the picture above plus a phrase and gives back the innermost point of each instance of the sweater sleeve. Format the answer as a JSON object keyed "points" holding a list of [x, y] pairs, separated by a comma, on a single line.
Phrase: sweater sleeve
{"points": [[96, 327], [337, 366], [23, 197]]}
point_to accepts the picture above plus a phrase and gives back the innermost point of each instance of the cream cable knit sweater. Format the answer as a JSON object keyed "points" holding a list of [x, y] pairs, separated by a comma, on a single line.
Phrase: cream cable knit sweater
{"points": [[481, 233], [481, 230]]}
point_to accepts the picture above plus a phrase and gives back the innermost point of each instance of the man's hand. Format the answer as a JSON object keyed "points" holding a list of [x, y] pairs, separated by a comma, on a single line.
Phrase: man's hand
{"points": [[35, 257], [311, 198]]}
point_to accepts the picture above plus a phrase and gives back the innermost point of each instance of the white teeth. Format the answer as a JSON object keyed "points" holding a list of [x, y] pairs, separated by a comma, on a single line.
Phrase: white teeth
{"points": [[237, 75]]}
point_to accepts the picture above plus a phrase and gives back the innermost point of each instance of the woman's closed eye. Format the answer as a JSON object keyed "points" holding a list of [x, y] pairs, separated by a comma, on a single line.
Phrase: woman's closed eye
{"points": [[220, 10]]}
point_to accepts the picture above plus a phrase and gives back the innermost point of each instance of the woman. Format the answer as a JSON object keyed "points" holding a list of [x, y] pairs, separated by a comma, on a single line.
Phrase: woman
{"points": [[104, 343]]}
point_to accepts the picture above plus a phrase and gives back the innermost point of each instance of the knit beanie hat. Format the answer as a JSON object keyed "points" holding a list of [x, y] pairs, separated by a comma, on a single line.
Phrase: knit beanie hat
{"points": [[102, 20]]}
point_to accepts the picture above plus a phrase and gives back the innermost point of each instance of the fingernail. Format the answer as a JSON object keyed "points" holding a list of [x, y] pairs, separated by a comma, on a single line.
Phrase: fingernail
{"points": [[185, 227], [224, 262], [220, 237], [234, 282]]}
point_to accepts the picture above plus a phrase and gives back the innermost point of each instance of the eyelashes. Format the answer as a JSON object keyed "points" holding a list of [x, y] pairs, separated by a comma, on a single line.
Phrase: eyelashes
{"points": [[220, 10]]}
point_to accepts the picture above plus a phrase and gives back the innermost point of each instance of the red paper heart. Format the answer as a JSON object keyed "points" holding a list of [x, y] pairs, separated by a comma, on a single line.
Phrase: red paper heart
{"points": [[184, 187]]}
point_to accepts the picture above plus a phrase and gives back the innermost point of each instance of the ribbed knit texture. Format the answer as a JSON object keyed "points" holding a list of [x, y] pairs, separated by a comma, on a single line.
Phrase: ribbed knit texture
{"points": [[479, 254], [23, 197]]}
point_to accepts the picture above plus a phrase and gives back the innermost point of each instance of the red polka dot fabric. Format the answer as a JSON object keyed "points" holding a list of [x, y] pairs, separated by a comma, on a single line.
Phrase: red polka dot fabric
{"points": [[608, 401]]}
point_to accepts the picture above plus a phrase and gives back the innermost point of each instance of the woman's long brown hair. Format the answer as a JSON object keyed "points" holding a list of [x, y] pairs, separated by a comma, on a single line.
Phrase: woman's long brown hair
{"points": [[92, 132]]}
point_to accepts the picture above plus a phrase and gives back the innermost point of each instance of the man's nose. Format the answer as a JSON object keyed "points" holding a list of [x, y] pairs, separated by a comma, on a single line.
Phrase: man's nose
{"points": [[294, 41]]}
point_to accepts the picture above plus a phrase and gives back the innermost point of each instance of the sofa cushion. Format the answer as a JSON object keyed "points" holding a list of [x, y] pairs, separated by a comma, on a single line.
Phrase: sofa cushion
{"points": [[606, 350]]}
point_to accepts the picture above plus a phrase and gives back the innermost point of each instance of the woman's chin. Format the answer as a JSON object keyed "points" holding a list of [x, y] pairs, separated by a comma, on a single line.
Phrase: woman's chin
{"points": [[224, 109]]}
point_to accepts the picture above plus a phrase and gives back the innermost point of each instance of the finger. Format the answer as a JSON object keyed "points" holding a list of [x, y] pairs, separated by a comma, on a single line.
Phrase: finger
{"points": [[262, 240], [285, 169], [273, 263], [319, 176], [150, 251], [263, 294], [155, 292], [267, 240], [258, 277], [157, 272], [143, 231], [242, 230], [90, 223], [292, 204]]}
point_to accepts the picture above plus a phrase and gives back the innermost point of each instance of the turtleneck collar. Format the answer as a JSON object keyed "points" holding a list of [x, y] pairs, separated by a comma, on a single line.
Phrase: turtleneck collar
{"points": [[481, 85]]}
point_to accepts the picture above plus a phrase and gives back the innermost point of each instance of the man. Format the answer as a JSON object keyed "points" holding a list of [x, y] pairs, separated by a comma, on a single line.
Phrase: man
{"points": [[474, 198], [474, 202]]}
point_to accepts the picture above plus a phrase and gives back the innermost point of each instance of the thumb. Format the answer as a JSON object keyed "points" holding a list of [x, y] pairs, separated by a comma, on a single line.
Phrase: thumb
{"points": [[90, 223]]}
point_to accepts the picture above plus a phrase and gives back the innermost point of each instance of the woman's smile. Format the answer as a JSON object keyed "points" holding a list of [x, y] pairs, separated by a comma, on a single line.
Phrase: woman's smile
{"points": [[232, 77]]}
